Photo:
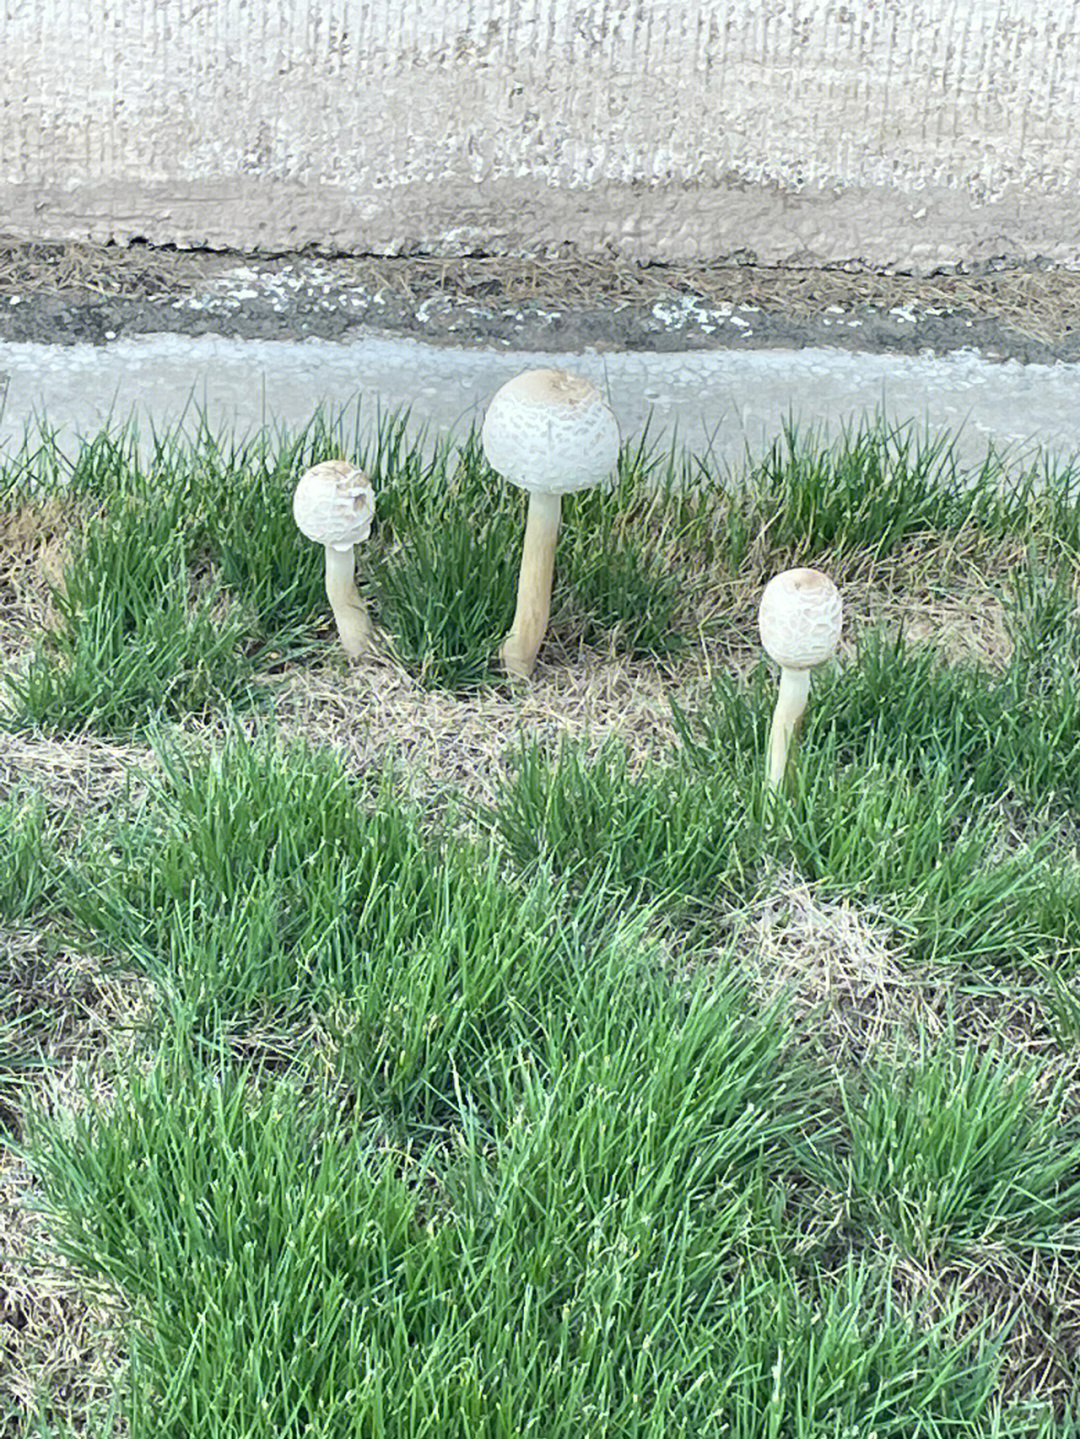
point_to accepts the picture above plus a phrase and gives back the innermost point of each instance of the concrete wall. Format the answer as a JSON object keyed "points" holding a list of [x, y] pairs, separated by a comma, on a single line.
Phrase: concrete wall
{"points": [[909, 132]]}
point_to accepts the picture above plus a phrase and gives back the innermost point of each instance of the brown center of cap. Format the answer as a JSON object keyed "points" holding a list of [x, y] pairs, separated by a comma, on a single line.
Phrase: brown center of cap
{"points": [[552, 387]]}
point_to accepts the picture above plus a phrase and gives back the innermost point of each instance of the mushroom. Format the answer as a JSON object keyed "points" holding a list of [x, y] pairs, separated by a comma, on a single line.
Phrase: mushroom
{"points": [[799, 621], [548, 432], [334, 505]]}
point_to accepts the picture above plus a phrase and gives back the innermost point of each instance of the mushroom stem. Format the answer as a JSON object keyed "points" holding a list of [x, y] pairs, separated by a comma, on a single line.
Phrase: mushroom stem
{"points": [[353, 625], [519, 649], [794, 693]]}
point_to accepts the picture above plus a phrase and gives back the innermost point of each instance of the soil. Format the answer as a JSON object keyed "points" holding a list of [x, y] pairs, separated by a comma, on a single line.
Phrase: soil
{"points": [[64, 294]]}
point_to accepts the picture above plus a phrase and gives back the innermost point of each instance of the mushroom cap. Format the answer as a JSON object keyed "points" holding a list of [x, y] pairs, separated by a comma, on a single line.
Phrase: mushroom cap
{"points": [[799, 619], [334, 505], [550, 432]]}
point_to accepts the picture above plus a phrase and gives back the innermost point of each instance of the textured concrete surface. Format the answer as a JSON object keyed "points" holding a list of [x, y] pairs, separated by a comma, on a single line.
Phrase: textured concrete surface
{"points": [[915, 132], [720, 401]]}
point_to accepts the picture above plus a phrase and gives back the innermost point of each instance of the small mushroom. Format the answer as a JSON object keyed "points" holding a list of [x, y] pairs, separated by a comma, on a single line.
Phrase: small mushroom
{"points": [[334, 506], [799, 621], [548, 432]]}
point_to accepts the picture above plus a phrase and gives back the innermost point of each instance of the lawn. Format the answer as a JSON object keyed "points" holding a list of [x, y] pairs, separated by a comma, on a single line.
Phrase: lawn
{"points": [[398, 1051]]}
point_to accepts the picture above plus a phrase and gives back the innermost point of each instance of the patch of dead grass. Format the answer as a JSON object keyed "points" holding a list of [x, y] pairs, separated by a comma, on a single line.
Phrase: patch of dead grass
{"points": [[943, 592], [1032, 1305], [376, 711], [842, 974], [838, 966], [34, 550], [70, 1005], [136, 270], [842, 964], [81, 773], [61, 1349]]}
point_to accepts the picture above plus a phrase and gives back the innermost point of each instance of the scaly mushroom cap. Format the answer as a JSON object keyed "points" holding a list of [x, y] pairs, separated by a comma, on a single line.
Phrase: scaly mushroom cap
{"points": [[799, 619], [334, 505], [551, 432]]}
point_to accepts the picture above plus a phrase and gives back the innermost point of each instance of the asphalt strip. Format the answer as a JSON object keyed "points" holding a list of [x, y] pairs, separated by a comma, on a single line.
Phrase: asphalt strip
{"points": [[725, 403]]}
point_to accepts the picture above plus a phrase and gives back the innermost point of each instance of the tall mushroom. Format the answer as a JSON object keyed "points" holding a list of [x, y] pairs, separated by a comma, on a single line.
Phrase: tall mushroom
{"points": [[334, 505], [799, 621], [548, 432]]}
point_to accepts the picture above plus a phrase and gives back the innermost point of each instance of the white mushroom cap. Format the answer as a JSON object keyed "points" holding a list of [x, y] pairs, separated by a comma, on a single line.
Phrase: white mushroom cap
{"points": [[550, 432], [334, 505], [799, 619]]}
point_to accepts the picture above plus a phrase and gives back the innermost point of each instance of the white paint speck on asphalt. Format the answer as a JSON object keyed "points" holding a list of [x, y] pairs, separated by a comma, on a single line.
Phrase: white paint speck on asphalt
{"points": [[728, 402]]}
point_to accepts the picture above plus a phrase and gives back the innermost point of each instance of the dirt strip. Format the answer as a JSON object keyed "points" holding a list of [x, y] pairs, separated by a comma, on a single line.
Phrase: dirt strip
{"points": [[63, 294]]}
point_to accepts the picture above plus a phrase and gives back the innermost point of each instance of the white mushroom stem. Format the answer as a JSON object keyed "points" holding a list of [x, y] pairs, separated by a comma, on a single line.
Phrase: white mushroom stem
{"points": [[353, 624], [794, 694], [519, 649]]}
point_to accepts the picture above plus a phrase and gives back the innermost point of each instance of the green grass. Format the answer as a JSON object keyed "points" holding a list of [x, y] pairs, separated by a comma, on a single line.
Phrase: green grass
{"points": [[31, 880], [185, 576], [30, 876], [1010, 734], [647, 835], [294, 1274], [952, 876], [451, 1118], [956, 1154], [633, 559], [141, 636], [878, 485], [506, 1090], [444, 571], [444, 568], [695, 834], [188, 577], [263, 887]]}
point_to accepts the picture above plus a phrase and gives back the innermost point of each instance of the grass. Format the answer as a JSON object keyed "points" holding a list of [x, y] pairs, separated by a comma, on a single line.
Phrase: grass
{"points": [[31, 862], [298, 1274], [877, 485], [562, 1081], [444, 584], [186, 576], [955, 1152], [695, 834], [263, 889], [648, 834], [139, 634]]}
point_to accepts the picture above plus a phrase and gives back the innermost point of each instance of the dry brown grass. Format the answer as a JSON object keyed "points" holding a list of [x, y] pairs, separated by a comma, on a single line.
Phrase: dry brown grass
{"points": [[946, 593], [61, 1350], [837, 966], [34, 548], [840, 964], [72, 1006], [1039, 304], [840, 971], [1032, 1304], [376, 711], [943, 592], [101, 269], [77, 774]]}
